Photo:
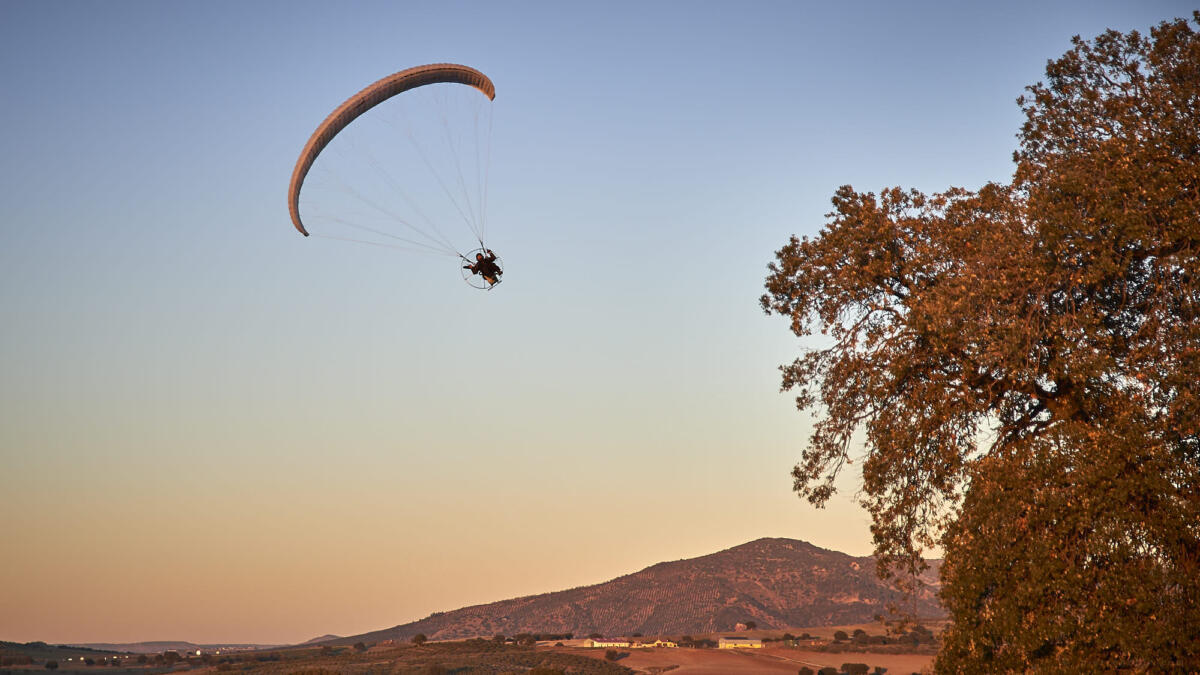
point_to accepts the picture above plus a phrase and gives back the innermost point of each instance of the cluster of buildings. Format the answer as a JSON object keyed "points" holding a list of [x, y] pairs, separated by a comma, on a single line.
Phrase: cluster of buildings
{"points": [[626, 644]]}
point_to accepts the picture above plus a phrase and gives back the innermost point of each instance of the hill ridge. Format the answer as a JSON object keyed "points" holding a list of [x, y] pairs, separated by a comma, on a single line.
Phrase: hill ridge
{"points": [[775, 582]]}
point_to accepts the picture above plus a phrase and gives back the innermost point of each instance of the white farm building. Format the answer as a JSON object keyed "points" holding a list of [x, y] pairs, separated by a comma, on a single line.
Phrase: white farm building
{"points": [[739, 643], [602, 642]]}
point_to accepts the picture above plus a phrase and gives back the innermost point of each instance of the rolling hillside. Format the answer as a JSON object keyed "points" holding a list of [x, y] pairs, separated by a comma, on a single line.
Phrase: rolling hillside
{"points": [[777, 583]]}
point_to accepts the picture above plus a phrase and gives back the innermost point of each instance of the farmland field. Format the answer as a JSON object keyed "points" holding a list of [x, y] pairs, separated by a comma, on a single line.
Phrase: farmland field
{"points": [[766, 660]]}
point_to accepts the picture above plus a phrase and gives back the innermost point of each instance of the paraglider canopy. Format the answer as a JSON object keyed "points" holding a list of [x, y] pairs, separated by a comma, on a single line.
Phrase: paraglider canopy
{"points": [[368, 98]]}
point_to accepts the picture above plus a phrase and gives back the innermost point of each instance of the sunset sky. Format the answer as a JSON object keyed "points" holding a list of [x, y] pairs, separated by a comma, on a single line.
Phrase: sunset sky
{"points": [[213, 429]]}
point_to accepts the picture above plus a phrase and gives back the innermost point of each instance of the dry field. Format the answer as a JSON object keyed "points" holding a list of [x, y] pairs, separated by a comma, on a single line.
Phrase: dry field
{"points": [[766, 660]]}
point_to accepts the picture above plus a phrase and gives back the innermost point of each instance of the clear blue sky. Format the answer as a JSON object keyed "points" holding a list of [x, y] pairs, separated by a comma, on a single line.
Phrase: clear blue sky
{"points": [[212, 428]]}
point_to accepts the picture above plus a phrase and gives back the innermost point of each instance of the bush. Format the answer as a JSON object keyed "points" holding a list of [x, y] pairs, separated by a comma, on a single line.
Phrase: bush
{"points": [[525, 639]]}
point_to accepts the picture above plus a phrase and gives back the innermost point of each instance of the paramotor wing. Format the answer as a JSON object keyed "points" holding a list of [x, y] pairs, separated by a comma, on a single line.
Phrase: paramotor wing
{"points": [[368, 98]]}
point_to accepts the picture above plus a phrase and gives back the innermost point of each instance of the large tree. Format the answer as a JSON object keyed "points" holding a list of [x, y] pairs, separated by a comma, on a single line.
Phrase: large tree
{"points": [[1023, 365]]}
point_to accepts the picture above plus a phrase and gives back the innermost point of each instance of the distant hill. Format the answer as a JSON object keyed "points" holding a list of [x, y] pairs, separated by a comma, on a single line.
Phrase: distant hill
{"points": [[777, 583], [157, 647], [323, 638]]}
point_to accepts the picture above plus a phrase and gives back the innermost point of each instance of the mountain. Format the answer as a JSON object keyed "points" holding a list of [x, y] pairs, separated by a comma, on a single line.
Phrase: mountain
{"points": [[777, 583]]}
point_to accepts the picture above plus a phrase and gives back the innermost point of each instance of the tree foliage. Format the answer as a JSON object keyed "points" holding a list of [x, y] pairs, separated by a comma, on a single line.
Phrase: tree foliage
{"points": [[1022, 362]]}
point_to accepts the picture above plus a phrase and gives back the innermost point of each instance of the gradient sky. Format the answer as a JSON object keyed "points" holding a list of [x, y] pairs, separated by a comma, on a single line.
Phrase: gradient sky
{"points": [[214, 429]]}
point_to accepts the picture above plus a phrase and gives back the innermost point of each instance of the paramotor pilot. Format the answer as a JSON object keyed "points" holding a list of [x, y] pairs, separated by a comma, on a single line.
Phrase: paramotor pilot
{"points": [[486, 267]]}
